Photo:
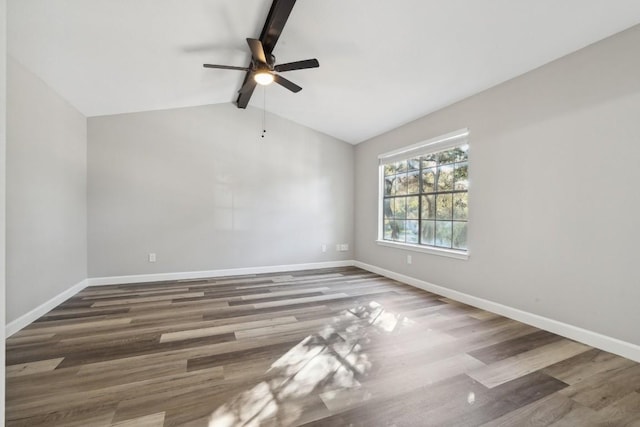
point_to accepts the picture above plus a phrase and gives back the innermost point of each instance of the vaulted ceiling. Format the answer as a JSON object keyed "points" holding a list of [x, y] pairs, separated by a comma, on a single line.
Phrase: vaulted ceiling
{"points": [[382, 63]]}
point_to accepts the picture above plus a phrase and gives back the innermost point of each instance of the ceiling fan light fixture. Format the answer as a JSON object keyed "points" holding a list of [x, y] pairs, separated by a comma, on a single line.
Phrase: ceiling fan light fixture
{"points": [[263, 78]]}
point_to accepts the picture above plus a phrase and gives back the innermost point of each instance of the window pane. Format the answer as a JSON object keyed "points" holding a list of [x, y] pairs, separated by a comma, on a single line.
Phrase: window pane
{"points": [[400, 210], [413, 207], [460, 235], [413, 164], [429, 207], [465, 150], [397, 231], [389, 187], [412, 231], [445, 178], [393, 230], [429, 180], [444, 206], [386, 230], [389, 169], [428, 232], [401, 185], [460, 206], [458, 154], [413, 183], [445, 157], [401, 166], [461, 176], [443, 234], [429, 161], [387, 208]]}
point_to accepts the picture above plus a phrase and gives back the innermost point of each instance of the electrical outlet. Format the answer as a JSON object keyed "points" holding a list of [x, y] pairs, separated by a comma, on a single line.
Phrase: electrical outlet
{"points": [[324, 247], [152, 257], [342, 247], [409, 260]]}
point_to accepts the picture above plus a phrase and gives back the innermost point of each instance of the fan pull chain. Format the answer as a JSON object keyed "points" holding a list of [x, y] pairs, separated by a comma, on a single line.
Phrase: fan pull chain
{"points": [[264, 111]]}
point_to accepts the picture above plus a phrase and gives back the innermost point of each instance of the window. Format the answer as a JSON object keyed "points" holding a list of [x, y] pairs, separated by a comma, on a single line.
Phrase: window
{"points": [[424, 195]]}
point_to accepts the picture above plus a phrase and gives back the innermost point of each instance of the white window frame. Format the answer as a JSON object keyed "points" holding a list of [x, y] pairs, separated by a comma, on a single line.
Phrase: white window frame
{"points": [[440, 143]]}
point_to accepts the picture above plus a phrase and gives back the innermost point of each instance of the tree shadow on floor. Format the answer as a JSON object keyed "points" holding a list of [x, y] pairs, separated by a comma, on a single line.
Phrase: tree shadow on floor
{"points": [[334, 358]]}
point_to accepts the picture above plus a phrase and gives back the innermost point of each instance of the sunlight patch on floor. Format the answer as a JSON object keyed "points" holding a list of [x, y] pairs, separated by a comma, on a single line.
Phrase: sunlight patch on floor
{"points": [[331, 359]]}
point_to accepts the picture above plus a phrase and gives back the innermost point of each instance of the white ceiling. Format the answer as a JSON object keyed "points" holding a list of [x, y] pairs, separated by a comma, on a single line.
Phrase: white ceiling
{"points": [[382, 63]]}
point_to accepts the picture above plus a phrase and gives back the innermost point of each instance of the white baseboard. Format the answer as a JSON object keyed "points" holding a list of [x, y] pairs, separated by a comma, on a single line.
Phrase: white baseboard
{"points": [[28, 318], [594, 339], [159, 277]]}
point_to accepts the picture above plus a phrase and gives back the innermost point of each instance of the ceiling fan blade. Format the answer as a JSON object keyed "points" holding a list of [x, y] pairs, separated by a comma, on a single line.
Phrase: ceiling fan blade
{"points": [[277, 17], [257, 50], [226, 67], [298, 65], [246, 91], [249, 84], [286, 83]]}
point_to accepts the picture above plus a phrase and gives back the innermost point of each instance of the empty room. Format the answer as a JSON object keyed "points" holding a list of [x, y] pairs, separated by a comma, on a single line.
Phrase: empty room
{"points": [[224, 213]]}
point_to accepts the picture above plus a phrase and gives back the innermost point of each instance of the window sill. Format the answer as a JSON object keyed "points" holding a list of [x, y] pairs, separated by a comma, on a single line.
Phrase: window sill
{"points": [[425, 249]]}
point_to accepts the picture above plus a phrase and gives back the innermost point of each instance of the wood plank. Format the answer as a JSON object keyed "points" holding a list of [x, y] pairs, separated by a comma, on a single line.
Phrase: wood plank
{"points": [[587, 364], [51, 327], [217, 330], [605, 388], [284, 293], [401, 381], [291, 301], [138, 300], [515, 346], [623, 412], [32, 368], [17, 340], [524, 363], [153, 420], [550, 410]]}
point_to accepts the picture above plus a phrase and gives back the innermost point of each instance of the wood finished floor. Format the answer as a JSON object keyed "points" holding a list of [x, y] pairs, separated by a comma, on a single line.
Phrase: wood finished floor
{"points": [[339, 347]]}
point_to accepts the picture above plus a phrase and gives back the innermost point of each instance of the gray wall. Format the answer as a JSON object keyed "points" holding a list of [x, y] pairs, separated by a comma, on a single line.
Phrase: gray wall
{"points": [[46, 193], [201, 189], [3, 145], [553, 198]]}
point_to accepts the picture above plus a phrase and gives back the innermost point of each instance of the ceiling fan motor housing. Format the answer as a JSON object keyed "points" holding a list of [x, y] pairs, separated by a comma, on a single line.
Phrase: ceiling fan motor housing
{"points": [[271, 60]]}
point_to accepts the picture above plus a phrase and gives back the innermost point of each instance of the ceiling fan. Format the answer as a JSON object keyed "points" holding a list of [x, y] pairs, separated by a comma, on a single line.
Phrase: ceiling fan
{"points": [[263, 69]]}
